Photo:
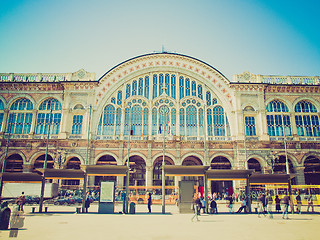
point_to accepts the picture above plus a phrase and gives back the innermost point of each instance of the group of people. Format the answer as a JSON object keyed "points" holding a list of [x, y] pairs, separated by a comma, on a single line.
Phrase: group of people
{"points": [[264, 205]]}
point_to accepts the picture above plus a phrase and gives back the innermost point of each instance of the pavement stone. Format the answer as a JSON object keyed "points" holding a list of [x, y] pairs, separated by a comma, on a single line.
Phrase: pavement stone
{"points": [[61, 222]]}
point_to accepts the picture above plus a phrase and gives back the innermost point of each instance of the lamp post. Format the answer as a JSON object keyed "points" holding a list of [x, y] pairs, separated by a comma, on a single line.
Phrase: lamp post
{"points": [[45, 160], [87, 161], [245, 140], [9, 124], [285, 144], [128, 166], [163, 111]]}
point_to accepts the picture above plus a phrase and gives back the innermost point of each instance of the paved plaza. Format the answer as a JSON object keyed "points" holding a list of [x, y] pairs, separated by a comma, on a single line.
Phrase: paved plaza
{"points": [[63, 223]]}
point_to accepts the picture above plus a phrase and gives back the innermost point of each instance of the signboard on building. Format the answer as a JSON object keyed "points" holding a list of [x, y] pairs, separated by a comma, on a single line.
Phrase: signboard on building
{"points": [[107, 192]]}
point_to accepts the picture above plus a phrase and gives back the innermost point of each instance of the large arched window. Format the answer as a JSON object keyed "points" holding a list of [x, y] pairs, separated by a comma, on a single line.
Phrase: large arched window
{"points": [[307, 120], [173, 86], [136, 120], [1, 113], [181, 87], [191, 122], [146, 87], [49, 115], [20, 117], [145, 121], [155, 84], [106, 123], [154, 121], [218, 121], [278, 119]]}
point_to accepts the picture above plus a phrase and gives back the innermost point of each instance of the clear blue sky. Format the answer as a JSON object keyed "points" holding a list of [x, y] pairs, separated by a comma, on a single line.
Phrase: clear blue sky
{"points": [[276, 37]]}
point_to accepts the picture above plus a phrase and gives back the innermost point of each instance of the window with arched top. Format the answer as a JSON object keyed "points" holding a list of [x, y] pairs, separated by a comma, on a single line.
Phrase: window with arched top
{"points": [[20, 117], [307, 120], [191, 123], [155, 85], [181, 87], [107, 120], [146, 87], [1, 114], [49, 116], [278, 119], [173, 86]]}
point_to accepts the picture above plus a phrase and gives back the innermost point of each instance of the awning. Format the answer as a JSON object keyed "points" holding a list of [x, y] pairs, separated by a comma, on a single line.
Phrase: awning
{"points": [[51, 173], [173, 170], [105, 170], [258, 178], [228, 174], [21, 177]]}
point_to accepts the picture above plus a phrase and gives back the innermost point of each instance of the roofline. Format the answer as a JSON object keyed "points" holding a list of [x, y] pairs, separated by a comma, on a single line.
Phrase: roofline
{"points": [[177, 54]]}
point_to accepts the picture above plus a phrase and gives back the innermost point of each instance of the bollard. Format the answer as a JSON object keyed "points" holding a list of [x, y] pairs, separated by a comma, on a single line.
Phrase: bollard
{"points": [[33, 209], [45, 209], [78, 210]]}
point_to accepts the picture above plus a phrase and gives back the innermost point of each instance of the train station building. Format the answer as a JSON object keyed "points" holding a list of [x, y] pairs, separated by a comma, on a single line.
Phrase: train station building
{"points": [[251, 121]]}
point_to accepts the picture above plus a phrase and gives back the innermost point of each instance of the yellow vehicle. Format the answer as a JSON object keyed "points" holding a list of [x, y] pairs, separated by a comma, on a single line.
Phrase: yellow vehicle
{"points": [[139, 194], [304, 190]]}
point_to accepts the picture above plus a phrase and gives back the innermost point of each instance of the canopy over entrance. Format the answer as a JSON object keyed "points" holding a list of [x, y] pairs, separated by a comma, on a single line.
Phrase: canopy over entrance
{"points": [[258, 179], [105, 170], [174, 170], [50, 173], [226, 174], [20, 177]]}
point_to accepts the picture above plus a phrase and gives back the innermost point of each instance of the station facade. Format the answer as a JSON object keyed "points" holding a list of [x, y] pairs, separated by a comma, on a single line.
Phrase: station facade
{"points": [[249, 122]]}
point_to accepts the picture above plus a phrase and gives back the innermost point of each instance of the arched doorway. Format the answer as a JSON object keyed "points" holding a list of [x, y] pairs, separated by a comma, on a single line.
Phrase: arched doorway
{"points": [[73, 163], [39, 162], [14, 163], [254, 164], [105, 160], [193, 161], [157, 172], [137, 171], [221, 187], [312, 170], [280, 166]]}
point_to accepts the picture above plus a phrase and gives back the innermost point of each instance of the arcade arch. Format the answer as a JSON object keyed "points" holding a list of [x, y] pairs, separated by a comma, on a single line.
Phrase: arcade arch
{"points": [[157, 172], [221, 187], [105, 160], [312, 170], [14, 163], [137, 172]]}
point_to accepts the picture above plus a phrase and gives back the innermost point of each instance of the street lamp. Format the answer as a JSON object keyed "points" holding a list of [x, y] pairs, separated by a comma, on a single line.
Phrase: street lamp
{"points": [[46, 158], [128, 165], [163, 111], [9, 124]]}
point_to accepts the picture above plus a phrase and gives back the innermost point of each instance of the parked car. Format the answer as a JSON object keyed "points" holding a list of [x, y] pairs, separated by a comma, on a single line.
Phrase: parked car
{"points": [[64, 201], [32, 200]]}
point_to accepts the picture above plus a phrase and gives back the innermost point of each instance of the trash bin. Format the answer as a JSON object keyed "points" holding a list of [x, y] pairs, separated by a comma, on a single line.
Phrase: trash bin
{"points": [[132, 209], [5, 213]]}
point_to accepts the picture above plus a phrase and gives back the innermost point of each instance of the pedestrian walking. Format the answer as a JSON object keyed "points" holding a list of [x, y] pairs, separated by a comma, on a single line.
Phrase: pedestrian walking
{"points": [[87, 202], [21, 201], [286, 201], [269, 201], [260, 205], [149, 202], [230, 198], [196, 205], [277, 201], [310, 203], [298, 199]]}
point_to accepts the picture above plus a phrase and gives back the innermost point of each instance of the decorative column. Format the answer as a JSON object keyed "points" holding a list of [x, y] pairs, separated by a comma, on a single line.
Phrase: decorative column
{"points": [[300, 179], [149, 177]]}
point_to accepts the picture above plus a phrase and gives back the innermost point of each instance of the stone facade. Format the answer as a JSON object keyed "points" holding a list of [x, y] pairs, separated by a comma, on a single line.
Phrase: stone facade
{"points": [[232, 139]]}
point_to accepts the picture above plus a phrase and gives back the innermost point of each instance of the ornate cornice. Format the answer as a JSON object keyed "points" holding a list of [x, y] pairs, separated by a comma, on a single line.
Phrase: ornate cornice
{"points": [[154, 62]]}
